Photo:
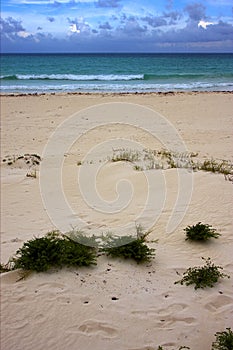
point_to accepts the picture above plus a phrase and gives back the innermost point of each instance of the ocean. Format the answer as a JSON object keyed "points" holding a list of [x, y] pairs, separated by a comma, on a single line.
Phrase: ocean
{"points": [[45, 73]]}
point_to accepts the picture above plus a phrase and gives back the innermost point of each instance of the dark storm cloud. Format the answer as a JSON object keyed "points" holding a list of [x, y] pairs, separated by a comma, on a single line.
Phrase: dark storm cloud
{"points": [[106, 26], [56, 4], [114, 18], [194, 34], [196, 11], [51, 19], [221, 31], [172, 17], [130, 27], [154, 21], [10, 26], [124, 32]]}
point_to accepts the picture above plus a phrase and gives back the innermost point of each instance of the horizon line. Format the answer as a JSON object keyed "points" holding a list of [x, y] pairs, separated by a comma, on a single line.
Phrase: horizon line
{"points": [[120, 52]]}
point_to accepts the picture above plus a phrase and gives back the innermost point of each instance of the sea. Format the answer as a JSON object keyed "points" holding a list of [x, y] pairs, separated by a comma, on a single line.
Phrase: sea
{"points": [[51, 73]]}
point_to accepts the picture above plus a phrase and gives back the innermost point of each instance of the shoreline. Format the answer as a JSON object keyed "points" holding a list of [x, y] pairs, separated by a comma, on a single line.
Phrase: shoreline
{"points": [[157, 93]]}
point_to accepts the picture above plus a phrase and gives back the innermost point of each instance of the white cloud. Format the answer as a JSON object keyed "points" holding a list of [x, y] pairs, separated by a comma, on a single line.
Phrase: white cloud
{"points": [[74, 29], [23, 34], [204, 24]]}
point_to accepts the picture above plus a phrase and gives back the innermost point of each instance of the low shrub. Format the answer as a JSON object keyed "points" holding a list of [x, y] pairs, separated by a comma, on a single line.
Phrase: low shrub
{"points": [[204, 276], [224, 340], [129, 248], [53, 250], [200, 232]]}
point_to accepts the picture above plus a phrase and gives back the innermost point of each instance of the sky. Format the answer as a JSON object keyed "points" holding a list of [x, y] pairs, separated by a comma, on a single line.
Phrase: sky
{"points": [[116, 26]]}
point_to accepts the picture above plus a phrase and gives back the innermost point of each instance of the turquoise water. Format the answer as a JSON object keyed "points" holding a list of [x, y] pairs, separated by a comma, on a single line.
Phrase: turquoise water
{"points": [[29, 73]]}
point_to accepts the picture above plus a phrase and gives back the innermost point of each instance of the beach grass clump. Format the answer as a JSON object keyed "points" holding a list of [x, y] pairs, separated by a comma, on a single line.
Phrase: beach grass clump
{"points": [[200, 232], [32, 174], [29, 159], [138, 167], [53, 250], [224, 340], [202, 276], [125, 155], [166, 159], [129, 248], [222, 167]]}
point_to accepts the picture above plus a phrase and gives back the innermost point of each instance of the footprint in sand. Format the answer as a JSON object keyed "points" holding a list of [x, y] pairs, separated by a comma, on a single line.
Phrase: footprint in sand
{"points": [[52, 287], [39, 318], [167, 317], [171, 309], [169, 321], [18, 324], [219, 303], [94, 327]]}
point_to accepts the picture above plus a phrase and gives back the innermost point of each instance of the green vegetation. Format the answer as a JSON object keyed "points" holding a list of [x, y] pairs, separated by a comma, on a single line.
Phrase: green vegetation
{"points": [[129, 248], [53, 250], [204, 276], [77, 249], [224, 340], [200, 232]]}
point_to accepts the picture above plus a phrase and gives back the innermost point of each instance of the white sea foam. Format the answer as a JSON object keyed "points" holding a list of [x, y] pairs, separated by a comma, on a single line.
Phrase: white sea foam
{"points": [[133, 87], [84, 77]]}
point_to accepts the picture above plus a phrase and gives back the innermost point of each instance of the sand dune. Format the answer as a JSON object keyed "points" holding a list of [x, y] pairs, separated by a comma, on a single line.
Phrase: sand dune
{"points": [[116, 305]]}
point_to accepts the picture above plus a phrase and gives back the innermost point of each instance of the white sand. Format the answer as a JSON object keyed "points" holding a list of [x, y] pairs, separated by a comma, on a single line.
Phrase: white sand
{"points": [[73, 308]]}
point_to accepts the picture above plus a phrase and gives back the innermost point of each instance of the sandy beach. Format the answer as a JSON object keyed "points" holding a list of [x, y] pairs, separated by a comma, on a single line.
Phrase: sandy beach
{"points": [[118, 304]]}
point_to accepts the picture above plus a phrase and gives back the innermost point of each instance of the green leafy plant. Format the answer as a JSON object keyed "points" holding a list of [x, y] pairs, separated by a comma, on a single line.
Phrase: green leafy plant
{"points": [[129, 248], [200, 232], [53, 250], [204, 276], [224, 340]]}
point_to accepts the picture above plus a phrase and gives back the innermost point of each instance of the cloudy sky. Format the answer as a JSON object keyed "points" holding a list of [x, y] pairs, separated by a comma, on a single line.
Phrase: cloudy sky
{"points": [[116, 26]]}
